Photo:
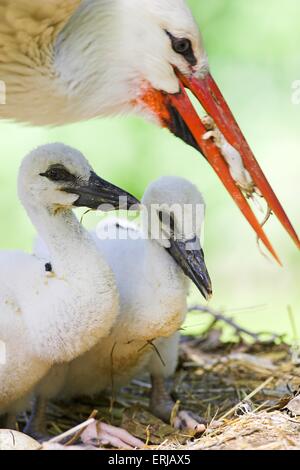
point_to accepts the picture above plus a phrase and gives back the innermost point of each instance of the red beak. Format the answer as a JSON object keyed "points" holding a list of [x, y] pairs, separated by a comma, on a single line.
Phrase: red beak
{"points": [[178, 114]]}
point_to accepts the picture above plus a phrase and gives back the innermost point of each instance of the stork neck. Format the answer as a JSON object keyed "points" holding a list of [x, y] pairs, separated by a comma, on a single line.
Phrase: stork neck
{"points": [[69, 244], [93, 34]]}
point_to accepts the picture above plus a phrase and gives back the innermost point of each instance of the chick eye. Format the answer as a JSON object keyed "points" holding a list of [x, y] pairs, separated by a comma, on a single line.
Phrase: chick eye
{"points": [[167, 219], [58, 173]]}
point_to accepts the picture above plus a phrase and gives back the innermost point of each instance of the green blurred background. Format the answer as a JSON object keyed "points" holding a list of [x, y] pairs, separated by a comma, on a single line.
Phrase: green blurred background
{"points": [[255, 58]]}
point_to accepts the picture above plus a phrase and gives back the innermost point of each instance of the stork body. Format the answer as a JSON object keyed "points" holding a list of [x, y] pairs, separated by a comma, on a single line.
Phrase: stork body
{"points": [[53, 313], [70, 60], [153, 291]]}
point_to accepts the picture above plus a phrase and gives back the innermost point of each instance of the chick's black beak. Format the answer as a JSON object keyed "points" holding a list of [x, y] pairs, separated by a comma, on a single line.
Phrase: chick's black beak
{"points": [[190, 257], [100, 194]]}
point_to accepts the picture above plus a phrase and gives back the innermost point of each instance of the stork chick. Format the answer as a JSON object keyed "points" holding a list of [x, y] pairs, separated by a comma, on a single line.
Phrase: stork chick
{"points": [[48, 320], [151, 265]]}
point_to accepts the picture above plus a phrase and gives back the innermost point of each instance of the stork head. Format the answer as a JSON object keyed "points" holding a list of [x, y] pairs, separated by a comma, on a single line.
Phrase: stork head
{"points": [[159, 37], [141, 55], [173, 214], [165, 50], [59, 177]]}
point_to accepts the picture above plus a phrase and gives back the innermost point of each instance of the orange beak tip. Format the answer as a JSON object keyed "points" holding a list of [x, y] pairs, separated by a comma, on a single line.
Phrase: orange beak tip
{"points": [[279, 261]]}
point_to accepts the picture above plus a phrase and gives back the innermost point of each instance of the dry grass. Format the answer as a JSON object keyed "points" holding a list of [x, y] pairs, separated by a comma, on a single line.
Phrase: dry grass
{"points": [[247, 386]]}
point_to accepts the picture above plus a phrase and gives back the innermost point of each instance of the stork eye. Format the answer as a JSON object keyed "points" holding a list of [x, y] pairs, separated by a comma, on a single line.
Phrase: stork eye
{"points": [[183, 46], [58, 173], [55, 174], [167, 219]]}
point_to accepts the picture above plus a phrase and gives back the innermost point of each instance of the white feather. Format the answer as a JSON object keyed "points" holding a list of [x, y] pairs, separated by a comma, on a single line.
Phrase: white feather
{"points": [[45, 319]]}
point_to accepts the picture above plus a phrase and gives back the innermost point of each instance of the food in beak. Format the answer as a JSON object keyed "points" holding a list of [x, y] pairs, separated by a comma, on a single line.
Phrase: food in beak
{"points": [[233, 158], [239, 171]]}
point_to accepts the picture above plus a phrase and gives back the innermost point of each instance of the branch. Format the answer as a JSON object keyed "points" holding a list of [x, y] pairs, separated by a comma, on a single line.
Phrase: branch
{"points": [[219, 316]]}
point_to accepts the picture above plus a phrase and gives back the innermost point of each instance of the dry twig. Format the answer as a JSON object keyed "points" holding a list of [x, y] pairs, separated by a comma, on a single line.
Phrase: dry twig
{"points": [[219, 316]]}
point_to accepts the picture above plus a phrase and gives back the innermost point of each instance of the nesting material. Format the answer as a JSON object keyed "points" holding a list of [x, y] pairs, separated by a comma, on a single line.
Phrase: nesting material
{"points": [[250, 387], [253, 431]]}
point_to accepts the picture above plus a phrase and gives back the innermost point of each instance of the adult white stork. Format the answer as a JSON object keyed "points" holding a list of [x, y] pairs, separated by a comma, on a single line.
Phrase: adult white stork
{"points": [[72, 60]]}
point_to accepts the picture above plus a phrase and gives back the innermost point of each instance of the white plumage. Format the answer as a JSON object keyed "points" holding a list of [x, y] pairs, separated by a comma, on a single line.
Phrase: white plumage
{"points": [[153, 297], [52, 317], [70, 60]]}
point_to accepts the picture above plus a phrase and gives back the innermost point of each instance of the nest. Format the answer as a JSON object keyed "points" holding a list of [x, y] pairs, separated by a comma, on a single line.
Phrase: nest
{"points": [[252, 389]]}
